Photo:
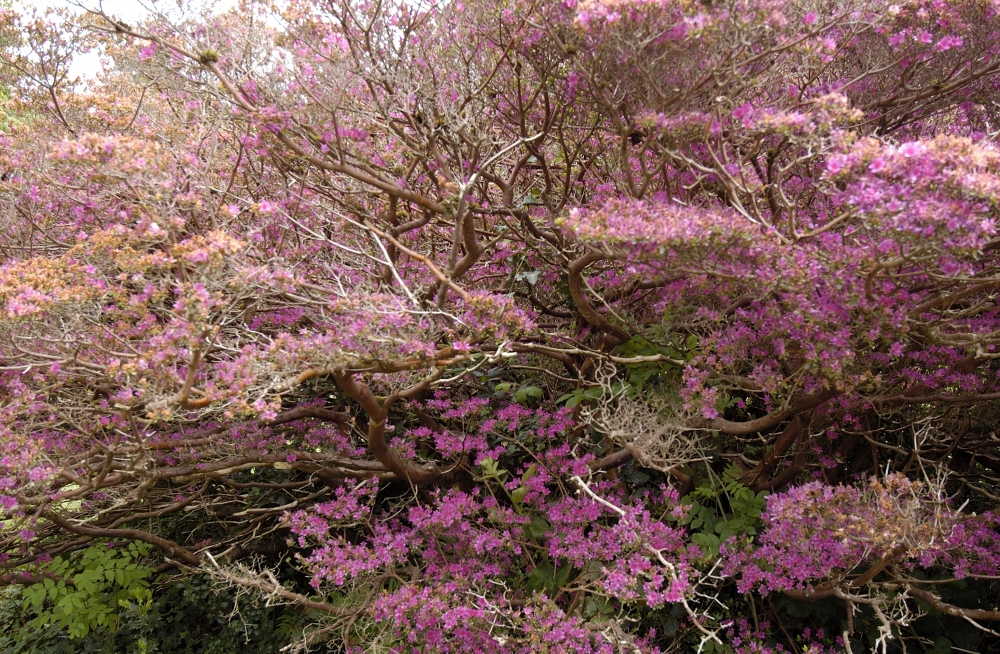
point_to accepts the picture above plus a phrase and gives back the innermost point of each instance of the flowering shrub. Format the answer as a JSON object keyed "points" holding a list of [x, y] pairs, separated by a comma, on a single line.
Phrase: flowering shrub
{"points": [[816, 532], [603, 325]]}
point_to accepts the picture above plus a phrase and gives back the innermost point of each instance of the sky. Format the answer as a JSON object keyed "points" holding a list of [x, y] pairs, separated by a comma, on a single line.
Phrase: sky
{"points": [[88, 65], [126, 9], [130, 11]]}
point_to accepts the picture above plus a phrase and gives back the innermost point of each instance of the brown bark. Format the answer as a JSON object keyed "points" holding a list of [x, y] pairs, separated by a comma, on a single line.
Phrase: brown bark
{"points": [[769, 421], [377, 413], [762, 471], [579, 295], [169, 547]]}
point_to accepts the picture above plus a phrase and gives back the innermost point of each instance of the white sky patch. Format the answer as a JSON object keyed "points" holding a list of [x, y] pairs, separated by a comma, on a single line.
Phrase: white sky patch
{"points": [[125, 9], [131, 11]]}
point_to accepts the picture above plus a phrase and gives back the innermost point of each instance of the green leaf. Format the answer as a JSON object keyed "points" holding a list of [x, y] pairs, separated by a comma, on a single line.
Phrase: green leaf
{"points": [[517, 497], [538, 526], [637, 477], [709, 543], [598, 606], [541, 578], [525, 394], [35, 595], [592, 571], [491, 470], [562, 577]]}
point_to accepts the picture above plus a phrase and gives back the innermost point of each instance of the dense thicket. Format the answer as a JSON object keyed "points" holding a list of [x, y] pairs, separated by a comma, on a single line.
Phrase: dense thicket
{"points": [[581, 326]]}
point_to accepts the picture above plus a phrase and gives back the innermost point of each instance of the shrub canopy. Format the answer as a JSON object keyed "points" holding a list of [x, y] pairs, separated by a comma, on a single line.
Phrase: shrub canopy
{"points": [[590, 326]]}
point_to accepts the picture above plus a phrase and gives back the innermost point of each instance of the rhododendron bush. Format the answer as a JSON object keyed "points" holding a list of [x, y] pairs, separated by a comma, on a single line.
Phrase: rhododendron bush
{"points": [[532, 326]]}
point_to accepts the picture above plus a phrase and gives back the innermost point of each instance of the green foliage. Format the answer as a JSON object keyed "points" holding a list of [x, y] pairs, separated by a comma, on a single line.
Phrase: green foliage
{"points": [[642, 376], [712, 647], [491, 379], [188, 615], [721, 509], [491, 472], [86, 591], [545, 578], [191, 616], [526, 394], [579, 395], [9, 117]]}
